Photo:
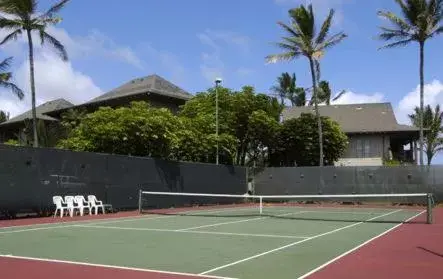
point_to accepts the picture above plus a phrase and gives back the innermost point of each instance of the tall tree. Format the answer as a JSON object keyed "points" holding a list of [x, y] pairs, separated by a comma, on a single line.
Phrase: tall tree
{"points": [[303, 40], [21, 17], [6, 76], [433, 123], [419, 21]]}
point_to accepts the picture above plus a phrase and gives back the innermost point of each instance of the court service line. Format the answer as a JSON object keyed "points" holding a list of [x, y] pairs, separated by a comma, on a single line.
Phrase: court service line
{"points": [[193, 232], [102, 221], [238, 221], [294, 243], [357, 247], [114, 267]]}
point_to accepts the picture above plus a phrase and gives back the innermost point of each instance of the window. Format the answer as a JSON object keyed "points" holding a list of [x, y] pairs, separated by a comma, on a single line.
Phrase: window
{"points": [[363, 148]]}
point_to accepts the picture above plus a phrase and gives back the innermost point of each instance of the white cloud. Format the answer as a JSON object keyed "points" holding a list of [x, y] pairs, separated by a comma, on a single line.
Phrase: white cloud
{"points": [[212, 65], [53, 79], [94, 43], [357, 98], [433, 95]]}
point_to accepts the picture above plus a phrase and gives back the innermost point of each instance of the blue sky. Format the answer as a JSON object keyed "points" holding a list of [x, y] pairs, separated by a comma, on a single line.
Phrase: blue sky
{"points": [[192, 42]]}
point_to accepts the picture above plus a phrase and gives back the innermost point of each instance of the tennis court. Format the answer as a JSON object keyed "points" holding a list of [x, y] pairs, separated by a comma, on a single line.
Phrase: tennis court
{"points": [[224, 241]]}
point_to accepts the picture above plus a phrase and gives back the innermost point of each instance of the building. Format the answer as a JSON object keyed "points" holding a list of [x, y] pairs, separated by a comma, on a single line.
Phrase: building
{"points": [[153, 89], [373, 132]]}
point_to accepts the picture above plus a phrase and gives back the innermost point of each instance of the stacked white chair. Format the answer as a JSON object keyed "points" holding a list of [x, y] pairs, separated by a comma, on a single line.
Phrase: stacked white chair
{"points": [[59, 205], [82, 204], [95, 204], [69, 200]]}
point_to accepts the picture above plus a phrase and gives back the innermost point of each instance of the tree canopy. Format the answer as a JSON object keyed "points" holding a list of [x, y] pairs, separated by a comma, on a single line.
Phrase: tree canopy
{"points": [[296, 142]]}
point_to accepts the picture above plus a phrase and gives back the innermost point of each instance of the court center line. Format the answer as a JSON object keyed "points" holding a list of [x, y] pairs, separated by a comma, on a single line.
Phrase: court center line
{"points": [[294, 243], [357, 247], [237, 221], [114, 267], [194, 232], [104, 221]]}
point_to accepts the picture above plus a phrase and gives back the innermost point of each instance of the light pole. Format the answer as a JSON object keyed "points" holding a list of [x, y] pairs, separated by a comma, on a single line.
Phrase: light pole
{"points": [[217, 82]]}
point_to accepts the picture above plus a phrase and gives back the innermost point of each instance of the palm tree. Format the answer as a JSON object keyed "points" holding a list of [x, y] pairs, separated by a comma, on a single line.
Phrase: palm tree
{"points": [[5, 78], [285, 83], [22, 17], [302, 40], [286, 88], [433, 123], [325, 94], [420, 21]]}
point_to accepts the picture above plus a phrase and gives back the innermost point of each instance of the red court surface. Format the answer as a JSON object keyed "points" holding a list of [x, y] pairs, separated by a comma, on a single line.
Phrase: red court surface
{"points": [[410, 251]]}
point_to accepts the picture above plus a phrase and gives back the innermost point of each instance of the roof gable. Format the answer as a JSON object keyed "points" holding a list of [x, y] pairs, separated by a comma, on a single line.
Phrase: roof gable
{"points": [[41, 111], [356, 118], [150, 84]]}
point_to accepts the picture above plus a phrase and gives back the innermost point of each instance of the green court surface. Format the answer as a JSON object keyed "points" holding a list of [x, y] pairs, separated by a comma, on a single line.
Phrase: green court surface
{"points": [[284, 242]]}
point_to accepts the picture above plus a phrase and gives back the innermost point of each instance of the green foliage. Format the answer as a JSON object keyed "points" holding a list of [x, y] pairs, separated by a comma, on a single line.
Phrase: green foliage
{"points": [[13, 142], [297, 142], [239, 111], [6, 77], [391, 163], [4, 116], [433, 123], [137, 130]]}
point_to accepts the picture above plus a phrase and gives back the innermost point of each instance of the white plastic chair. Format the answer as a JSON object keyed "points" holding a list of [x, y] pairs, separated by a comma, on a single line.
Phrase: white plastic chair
{"points": [[95, 204], [69, 200], [82, 204], [58, 201]]}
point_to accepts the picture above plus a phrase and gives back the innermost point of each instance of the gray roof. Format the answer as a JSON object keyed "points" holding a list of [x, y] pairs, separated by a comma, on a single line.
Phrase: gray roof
{"points": [[356, 118], [150, 84], [40, 110]]}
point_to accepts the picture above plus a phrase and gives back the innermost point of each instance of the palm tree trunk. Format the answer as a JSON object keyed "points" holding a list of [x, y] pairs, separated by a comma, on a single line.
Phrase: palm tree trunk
{"points": [[317, 114], [422, 85], [31, 70]]}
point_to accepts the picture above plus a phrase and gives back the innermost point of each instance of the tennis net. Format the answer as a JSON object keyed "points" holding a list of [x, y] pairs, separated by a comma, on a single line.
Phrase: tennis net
{"points": [[350, 207]]}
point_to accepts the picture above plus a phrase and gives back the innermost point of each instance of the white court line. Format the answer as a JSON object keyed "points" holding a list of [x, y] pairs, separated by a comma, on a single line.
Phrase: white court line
{"points": [[295, 243], [357, 247], [101, 221], [238, 221], [193, 232], [114, 267]]}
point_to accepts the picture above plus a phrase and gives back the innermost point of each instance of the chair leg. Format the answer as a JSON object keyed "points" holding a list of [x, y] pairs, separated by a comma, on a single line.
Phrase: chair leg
{"points": [[61, 212]]}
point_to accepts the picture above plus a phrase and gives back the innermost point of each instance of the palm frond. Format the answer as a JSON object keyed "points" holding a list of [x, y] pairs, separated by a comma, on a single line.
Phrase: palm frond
{"points": [[288, 29], [6, 23], [5, 64], [339, 95], [397, 44], [11, 36], [14, 88], [332, 41], [325, 28], [304, 21], [56, 44], [395, 20], [270, 59], [55, 9]]}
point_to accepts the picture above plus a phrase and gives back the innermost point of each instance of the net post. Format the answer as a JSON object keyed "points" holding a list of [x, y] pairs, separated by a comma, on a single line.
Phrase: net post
{"points": [[429, 209], [140, 201], [261, 204]]}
